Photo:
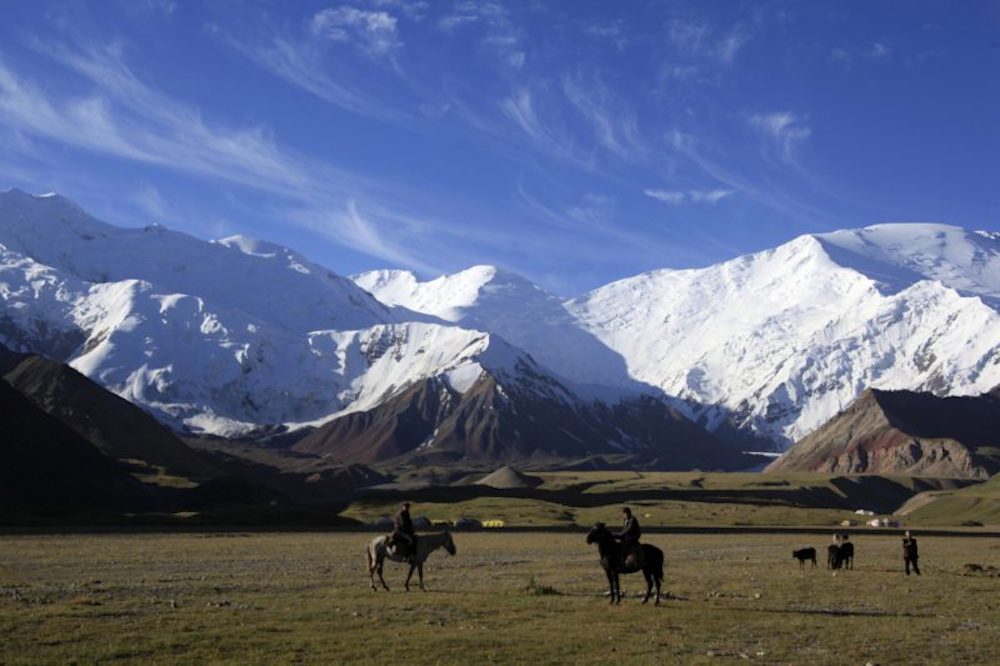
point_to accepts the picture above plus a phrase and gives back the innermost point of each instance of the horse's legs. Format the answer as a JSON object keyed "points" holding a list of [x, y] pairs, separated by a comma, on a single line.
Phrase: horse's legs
{"points": [[420, 572], [381, 564], [618, 587], [649, 585], [611, 585], [410, 575]]}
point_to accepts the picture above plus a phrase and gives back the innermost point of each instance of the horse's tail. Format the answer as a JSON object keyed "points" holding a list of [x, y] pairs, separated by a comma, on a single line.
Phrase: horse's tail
{"points": [[658, 562]]}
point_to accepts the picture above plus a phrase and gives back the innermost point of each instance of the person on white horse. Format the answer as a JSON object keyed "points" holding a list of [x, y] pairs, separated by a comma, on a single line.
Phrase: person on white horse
{"points": [[403, 540]]}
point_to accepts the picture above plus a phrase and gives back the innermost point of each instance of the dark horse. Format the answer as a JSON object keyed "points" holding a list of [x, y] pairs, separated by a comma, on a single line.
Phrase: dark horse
{"points": [[611, 560]]}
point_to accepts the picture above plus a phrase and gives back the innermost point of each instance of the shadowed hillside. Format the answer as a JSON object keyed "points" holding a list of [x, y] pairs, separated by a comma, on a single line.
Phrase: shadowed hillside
{"points": [[114, 425], [46, 465]]}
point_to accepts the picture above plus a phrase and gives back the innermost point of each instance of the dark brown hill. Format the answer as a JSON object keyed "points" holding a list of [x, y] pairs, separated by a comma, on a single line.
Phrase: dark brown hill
{"points": [[904, 432], [45, 465], [505, 422], [114, 425]]}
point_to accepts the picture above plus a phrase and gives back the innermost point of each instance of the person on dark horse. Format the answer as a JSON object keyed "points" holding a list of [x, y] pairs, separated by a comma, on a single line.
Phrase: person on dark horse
{"points": [[628, 540], [403, 539], [610, 550]]}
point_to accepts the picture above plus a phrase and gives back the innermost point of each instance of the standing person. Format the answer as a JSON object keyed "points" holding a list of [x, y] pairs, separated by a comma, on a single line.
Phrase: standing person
{"points": [[910, 553], [404, 539], [629, 539]]}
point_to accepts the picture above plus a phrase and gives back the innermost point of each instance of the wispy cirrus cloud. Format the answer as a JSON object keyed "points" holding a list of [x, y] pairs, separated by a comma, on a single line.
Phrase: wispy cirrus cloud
{"points": [[125, 118], [372, 32], [501, 34], [763, 192], [613, 124], [698, 39], [546, 136], [847, 56], [305, 65], [677, 197], [784, 132]]}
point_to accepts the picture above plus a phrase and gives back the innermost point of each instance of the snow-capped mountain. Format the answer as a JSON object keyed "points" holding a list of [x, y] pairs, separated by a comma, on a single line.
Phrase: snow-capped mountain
{"points": [[779, 341], [491, 299], [217, 337], [227, 336], [231, 336], [772, 344]]}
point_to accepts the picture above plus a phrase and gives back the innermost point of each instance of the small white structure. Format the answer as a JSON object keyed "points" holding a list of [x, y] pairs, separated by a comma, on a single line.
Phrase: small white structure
{"points": [[864, 512], [883, 522]]}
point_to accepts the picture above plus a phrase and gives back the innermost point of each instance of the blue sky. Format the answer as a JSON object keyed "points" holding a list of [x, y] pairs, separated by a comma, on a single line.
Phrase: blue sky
{"points": [[573, 142]]}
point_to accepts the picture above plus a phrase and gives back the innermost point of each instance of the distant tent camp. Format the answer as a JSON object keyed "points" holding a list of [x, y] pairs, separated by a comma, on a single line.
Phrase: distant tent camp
{"points": [[421, 523], [465, 521], [385, 523], [494, 524]]}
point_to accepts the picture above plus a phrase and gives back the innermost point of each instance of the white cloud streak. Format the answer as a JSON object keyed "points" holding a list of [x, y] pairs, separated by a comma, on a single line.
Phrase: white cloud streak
{"points": [[677, 197], [126, 119], [616, 129], [784, 131], [697, 39], [373, 32]]}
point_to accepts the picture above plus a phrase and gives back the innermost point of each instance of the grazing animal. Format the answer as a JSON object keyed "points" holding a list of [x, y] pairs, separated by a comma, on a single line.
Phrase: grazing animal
{"points": [[378, 551], [611, 561], [847, 554], [803, 554], [834, 557]]}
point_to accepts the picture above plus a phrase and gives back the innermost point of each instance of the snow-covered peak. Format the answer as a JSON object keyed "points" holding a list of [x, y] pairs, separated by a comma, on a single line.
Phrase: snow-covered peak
{"points": [[897, 255], [491, 299], [456, 297], [266, 283]]}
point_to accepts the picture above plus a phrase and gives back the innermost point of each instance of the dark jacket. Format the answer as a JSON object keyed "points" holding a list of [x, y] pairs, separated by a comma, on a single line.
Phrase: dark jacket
{"points": [[910, 549], [402, 522], [630, 530]]}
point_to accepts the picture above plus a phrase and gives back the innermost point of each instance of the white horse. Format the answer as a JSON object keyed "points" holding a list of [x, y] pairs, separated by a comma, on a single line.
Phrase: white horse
{"points": [[378, 551]]}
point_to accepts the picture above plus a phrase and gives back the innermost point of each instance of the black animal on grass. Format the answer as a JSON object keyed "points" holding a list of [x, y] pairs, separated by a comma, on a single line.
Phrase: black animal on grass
{"points": [[847, 554], [803, 554], [834, 557], [611, 561]]}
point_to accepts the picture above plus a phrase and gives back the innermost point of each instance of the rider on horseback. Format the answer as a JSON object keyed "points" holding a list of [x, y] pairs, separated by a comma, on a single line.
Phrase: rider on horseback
{"points": [[403, 539], [628, 538]]}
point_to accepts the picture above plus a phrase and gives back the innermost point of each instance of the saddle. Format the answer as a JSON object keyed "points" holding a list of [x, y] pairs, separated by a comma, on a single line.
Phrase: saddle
{"points": [[400, 547], [632, 556]]}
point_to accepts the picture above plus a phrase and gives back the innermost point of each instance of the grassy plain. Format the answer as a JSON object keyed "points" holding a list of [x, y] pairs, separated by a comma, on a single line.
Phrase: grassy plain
{"points": [[567, 499], [304, 598]]}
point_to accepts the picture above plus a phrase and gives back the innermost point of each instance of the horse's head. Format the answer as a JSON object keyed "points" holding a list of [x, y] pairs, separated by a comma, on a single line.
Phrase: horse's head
{"points": [[449, 543], [597, 533]]}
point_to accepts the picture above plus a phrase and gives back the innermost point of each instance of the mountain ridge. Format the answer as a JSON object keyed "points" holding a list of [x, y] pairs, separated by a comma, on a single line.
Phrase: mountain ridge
{"points": [[766, 346]]}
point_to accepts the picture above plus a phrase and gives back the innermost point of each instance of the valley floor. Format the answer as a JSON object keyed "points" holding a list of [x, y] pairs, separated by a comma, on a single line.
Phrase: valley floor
{"points": [[506, 597]]}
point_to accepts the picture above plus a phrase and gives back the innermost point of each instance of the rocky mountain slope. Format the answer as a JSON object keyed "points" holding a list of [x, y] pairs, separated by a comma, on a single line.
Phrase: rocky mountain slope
{"points": [[904, 432]]}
